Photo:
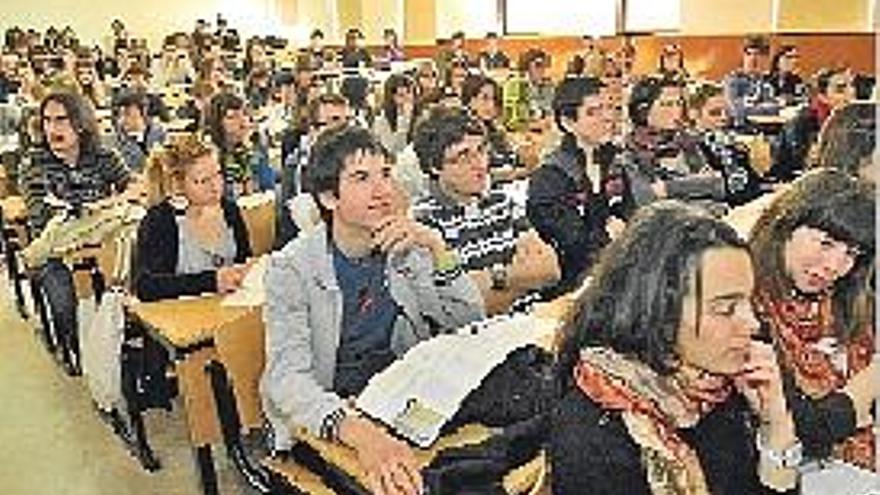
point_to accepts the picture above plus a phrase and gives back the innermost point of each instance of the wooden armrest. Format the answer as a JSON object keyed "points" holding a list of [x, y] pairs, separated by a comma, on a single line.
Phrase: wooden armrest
{"points": [[298, 476]]}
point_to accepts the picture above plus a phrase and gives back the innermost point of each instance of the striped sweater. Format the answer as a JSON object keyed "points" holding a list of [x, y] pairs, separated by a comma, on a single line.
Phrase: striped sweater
{"points": [[97, 175]]}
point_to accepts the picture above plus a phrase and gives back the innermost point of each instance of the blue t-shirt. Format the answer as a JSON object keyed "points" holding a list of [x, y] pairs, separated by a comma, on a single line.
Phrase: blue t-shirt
{"points": [[368, 317]]}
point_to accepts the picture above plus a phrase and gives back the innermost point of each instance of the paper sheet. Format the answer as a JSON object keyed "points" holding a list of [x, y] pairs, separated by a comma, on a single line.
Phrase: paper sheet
{"points": [[252, 291], [418, 393]]}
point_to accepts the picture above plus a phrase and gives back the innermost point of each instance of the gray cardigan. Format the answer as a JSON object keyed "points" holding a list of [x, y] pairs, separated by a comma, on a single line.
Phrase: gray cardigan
{"points": [[303, 316]]}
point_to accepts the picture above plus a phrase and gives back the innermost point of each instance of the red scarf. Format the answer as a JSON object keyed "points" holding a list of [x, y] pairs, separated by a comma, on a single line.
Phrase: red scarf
{"points": [[805, 333], [654, 408]]}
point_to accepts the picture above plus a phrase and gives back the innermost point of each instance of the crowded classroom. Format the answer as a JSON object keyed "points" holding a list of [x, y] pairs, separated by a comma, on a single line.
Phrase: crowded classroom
{"points": [[439, 247]]}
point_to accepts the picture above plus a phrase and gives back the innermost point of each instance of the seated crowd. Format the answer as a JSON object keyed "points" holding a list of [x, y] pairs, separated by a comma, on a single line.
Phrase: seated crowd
{"points": [[700, 356]]}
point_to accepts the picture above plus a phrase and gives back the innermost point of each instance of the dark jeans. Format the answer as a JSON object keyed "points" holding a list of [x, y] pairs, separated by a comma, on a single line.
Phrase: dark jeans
{"points": [[57, 309]]}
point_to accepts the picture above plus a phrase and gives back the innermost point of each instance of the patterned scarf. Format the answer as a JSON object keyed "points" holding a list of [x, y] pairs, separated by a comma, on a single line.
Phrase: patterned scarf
{"points": [[653, 409], [821, 364]]}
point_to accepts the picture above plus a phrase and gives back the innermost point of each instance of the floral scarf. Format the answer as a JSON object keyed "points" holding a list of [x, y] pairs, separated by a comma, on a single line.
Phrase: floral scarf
{"points": [[821, 364], [653, 409]]}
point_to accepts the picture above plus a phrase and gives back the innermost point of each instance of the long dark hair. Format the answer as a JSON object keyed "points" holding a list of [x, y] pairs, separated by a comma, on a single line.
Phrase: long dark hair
{"points": [[633, 301], [474, 83], [837, 204], [848, 137], [81, 115], [216, 111], [389, 107]]}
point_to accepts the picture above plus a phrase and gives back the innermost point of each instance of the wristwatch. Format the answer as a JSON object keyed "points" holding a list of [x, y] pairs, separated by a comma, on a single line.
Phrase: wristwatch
{"points": [[499, 276], [789, 458]]}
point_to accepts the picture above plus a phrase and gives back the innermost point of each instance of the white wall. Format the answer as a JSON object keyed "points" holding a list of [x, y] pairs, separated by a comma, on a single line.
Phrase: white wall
{"points": [[562, 17], [733, 17], [377, 15], [474, 17]]}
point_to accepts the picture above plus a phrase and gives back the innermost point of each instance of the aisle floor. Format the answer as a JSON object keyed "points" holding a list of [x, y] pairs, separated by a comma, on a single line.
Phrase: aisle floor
{"points": [[52, 441]]}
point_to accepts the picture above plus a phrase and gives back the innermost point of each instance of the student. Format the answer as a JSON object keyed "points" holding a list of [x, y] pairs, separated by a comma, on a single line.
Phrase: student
{"points": [[848, 141], [671, 64], [346, 299], [297, 209], [793, 152], [428, 83], [392, 52], [570, 195], [394, 124], [70, 165], [834, 89], [664, 390], [711, 127], [457, 72], [193, 241], [482, 96], [243, 158], [316, 55], [354, 54], [666, 162], [492, 58], [539, 87], [786, 82], [137, 79], [135, 133], [746, 88], [483, 225], [814, 258]]}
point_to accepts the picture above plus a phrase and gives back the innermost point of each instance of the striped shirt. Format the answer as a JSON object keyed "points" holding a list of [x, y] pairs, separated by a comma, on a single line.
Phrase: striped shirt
{"points": [[95, 177], [483, 233]]}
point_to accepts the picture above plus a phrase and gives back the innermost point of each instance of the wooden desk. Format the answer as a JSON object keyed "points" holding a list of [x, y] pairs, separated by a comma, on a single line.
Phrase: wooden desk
{"points": [[186, 327]]}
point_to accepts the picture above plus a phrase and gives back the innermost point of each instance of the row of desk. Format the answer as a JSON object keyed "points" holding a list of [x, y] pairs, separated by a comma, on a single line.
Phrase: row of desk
{"points": [[187, 329]]}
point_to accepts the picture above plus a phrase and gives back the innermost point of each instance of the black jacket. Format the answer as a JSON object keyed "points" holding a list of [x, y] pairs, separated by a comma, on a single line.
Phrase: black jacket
{"points": [[155, 260], [568, 215], [592, 452]]}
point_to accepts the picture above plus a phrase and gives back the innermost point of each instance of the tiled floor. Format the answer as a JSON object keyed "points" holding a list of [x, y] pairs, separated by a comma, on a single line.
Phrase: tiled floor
{"points": [[52, 442]]}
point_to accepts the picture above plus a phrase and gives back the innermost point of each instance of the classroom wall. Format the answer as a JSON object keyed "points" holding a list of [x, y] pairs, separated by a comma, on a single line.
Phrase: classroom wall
{"points": [[722, 17], [824, 15]]}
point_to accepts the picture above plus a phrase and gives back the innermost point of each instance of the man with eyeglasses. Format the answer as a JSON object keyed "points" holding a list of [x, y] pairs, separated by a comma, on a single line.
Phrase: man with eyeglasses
{"points": [[484, 226], [297, 209]]}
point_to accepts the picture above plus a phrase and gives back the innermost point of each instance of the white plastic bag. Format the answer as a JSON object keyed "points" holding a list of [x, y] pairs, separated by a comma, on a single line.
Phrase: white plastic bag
{"points": [[101, 350]]}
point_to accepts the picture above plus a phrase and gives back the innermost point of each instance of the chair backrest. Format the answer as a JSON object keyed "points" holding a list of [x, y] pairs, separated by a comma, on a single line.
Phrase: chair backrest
{"points": [[260, 222], [240, 348]]}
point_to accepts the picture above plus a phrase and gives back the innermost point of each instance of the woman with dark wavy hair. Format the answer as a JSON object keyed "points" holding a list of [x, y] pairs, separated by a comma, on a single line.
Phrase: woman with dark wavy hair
{"points": [[394, 124], [848, 140], [814, 264], [663, 389]]}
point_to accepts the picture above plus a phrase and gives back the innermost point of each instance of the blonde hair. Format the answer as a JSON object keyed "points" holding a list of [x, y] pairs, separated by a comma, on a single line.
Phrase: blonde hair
{"points": [[166, 166]]}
